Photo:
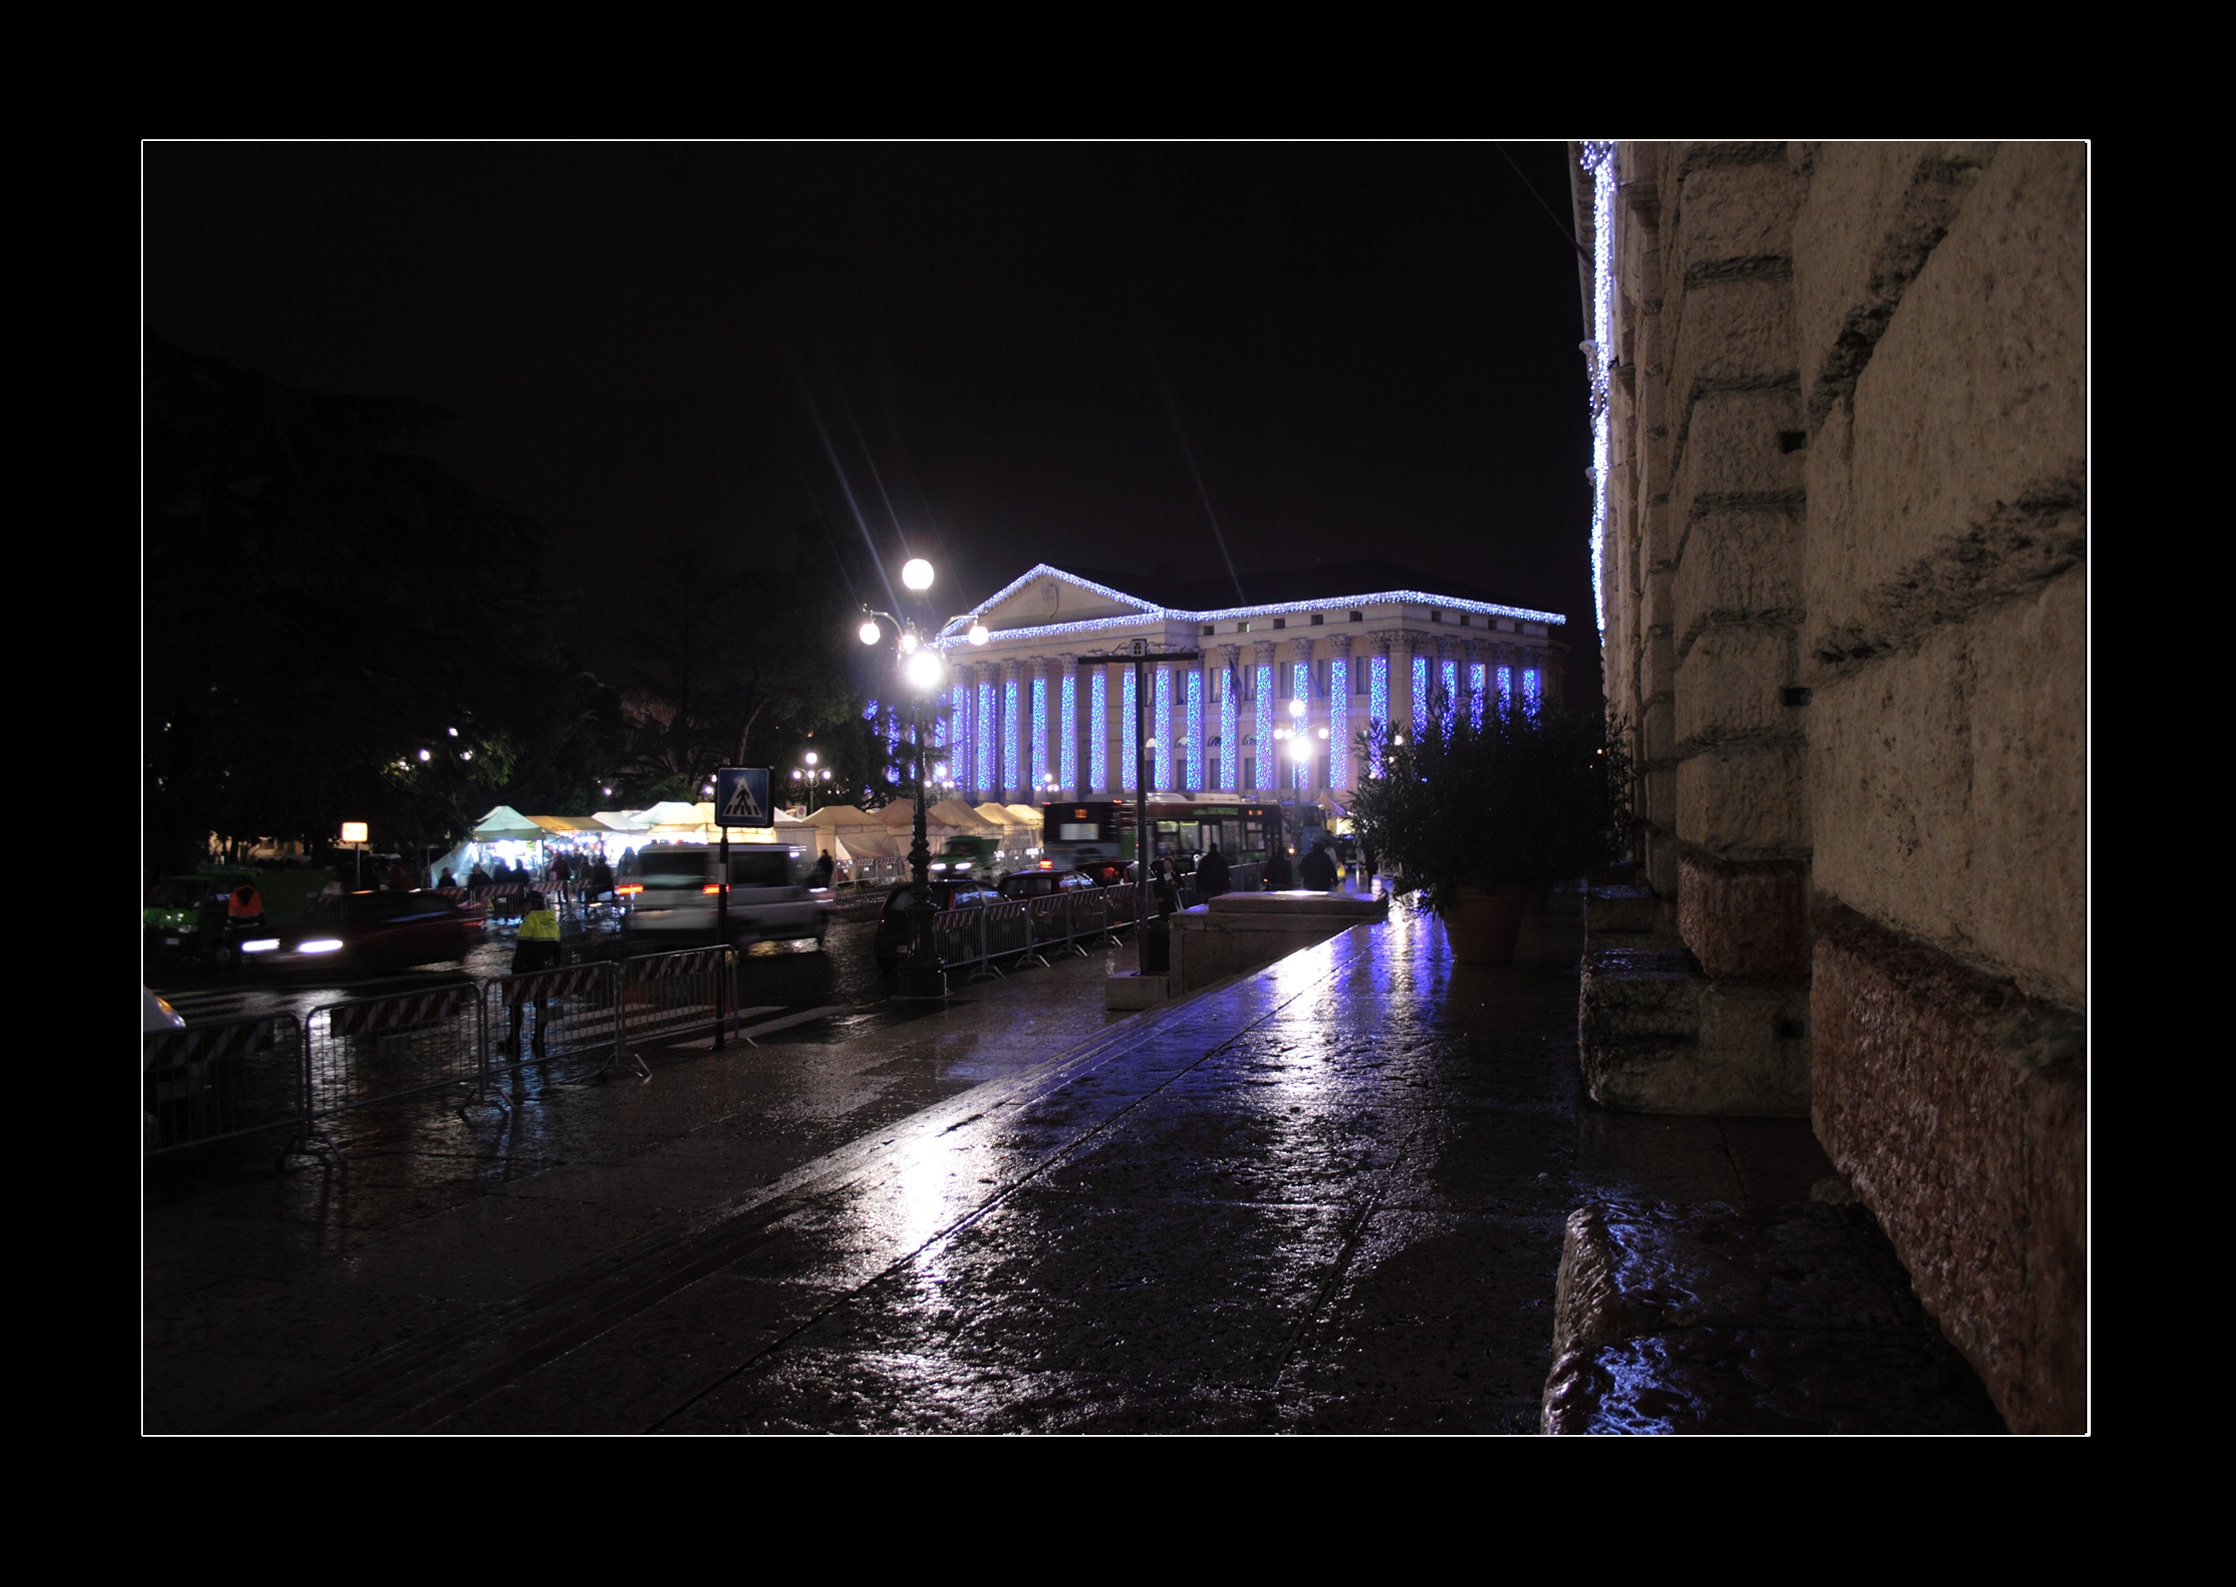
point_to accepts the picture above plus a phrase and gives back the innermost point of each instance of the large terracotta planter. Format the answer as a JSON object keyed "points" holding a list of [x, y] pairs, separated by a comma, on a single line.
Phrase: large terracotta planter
{"points": [[1484, 927]]}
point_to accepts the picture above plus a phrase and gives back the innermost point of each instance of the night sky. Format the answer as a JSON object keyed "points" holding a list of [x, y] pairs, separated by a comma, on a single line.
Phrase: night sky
{"points": [[994, 355]]}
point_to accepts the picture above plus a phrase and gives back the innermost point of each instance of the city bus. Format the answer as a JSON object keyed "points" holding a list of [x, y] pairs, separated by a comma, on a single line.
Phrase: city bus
{"points": [[1091, 834]]}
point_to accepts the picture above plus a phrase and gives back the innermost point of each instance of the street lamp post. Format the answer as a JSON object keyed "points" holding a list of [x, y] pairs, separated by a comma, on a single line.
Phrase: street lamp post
{"points": [[921, 670]]}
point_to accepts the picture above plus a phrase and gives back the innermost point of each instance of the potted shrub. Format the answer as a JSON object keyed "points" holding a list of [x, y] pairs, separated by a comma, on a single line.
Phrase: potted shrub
{"points": [[1484, 813]]}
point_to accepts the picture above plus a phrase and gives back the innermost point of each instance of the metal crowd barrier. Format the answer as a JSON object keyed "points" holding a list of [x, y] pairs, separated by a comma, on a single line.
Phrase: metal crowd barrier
{"points": [[238, 1077], [665, 994], [215, 1082], [958, 938], [1055, 924], [374, 1049], [1007, 934], [505, 900], [546, 1015]]}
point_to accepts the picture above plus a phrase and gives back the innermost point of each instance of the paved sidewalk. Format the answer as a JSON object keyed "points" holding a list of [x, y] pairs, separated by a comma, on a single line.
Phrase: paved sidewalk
{"points": [[1329, 1196]]}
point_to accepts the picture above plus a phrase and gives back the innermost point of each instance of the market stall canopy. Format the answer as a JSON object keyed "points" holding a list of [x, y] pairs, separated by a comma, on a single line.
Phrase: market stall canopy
{"points": [[960, 816], [900, 816], [669, 813], [1026, 814], [502, 823], [834, 816], [1000, 815], [621, 820], [568, 826]]}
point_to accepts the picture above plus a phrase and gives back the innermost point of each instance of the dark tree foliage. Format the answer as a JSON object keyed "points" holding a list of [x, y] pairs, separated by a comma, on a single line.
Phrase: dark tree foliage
{"points": [[321, 607], [1514, 795], [742, 668]]}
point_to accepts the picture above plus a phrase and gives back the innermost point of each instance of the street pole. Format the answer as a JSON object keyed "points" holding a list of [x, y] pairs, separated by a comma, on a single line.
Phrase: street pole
{"points": [[1142, 843], [1142, 655], [721, 928], [920, 974]]}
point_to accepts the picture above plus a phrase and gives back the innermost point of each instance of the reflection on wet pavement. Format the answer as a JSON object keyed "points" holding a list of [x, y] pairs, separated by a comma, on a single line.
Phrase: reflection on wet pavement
{"points": [[1326, 1197]]}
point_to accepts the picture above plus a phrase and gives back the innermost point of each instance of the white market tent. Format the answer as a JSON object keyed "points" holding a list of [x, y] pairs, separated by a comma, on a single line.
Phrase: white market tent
{"points": [[957, 816], [502, 824]]}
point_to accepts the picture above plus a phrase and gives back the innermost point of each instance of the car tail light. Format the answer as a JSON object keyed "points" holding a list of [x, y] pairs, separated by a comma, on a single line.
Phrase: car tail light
{"points": [[630, 888], [711, 889]]}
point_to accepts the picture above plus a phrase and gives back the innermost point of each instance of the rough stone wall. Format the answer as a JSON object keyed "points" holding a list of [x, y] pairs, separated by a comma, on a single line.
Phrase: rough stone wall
{"points": [[1848, 607]]}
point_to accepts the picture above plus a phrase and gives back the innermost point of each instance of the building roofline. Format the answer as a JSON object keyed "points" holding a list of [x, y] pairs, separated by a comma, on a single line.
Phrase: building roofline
{"points": [[1148, 613]]}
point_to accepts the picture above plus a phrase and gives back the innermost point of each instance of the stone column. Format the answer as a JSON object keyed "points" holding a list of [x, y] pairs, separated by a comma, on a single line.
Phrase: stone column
{"points": [[1041, 753], [1264, 703], [1013, 680], [1342, 720], [1230, 719]]}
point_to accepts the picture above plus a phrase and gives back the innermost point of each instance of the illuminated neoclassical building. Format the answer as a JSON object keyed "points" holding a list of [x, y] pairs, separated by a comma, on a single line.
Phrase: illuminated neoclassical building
{"points": [[1023, 717]]}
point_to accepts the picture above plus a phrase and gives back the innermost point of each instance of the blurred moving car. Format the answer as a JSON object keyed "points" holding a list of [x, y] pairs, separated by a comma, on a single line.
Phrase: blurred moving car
{"points": [[770, 896], [353, 933], [891, 941]]}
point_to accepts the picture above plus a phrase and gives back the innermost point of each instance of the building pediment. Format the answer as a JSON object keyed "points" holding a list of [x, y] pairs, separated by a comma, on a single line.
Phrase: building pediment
{"points": [[1049, 595]]}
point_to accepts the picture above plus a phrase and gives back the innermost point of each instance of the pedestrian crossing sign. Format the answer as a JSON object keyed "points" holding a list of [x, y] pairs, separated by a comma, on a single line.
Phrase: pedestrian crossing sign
{"points": [[741, 796]]}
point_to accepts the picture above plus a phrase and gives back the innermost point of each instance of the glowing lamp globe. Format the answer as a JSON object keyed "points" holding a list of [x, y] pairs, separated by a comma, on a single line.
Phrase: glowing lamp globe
{"points": [[917, 574]]}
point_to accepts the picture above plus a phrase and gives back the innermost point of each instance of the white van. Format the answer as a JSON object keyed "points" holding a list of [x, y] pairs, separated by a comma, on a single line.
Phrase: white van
{"points": [[770, 899]]}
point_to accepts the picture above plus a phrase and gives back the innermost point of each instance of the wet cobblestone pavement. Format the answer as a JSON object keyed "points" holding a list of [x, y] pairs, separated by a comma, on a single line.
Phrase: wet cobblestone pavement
{"points": [[1326, 1197]]}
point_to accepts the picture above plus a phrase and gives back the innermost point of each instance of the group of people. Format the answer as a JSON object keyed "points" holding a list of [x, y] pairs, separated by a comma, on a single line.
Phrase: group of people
{"points": [[1212, 873], [565, 878]]}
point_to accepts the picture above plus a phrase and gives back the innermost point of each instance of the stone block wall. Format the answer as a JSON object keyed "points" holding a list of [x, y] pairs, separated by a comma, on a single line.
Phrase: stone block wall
{"points": [[1847, 618]]}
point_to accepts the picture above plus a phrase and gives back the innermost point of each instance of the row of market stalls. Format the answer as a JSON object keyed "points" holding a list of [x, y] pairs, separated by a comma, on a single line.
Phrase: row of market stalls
{"points": [[864, 846]]}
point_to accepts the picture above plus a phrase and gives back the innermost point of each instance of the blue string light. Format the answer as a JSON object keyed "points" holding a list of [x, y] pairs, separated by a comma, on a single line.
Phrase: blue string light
{"points": [[1067, 711], [1194, 741], [1339, 723], [1163, 729], [1098, 730], [1130, 703], [1040, 733], [1009, 737], [1268, 767], [1230, 746]]}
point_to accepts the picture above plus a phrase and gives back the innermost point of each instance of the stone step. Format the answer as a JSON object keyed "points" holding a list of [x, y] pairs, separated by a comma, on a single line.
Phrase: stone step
{"points": [[1702, 1319], [1656, 1035]]}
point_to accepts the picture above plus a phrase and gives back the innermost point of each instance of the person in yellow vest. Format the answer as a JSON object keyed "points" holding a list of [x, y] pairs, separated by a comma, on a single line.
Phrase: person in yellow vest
{"points": [[536, 948]]}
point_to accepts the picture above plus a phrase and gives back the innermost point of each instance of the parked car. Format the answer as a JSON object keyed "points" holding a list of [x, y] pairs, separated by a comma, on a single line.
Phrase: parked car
{"points": [[891, 941], [354, 933], [770, 896], [186, 918], [1039, 884]]}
